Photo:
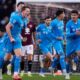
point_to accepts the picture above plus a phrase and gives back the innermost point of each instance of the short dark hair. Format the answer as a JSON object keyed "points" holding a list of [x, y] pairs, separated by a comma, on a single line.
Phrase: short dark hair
{"points": [[60, 11], [74, 11], [20, 3], [24, 7], [47, 17]]}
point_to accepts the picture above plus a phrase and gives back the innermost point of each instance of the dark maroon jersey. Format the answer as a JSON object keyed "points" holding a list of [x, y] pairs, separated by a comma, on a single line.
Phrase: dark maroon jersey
{"points": [[27, 34]]}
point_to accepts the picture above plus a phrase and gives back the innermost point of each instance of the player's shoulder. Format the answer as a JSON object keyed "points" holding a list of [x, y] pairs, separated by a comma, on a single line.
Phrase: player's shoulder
{"points": [[69, 22], [14, 13], [54, 21], [40, 26]]}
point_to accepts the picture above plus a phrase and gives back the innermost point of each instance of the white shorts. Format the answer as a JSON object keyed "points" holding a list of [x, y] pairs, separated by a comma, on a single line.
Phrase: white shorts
{"points": [[27, 50]]}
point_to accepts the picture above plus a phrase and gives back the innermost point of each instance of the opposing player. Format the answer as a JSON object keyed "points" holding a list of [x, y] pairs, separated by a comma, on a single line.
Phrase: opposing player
{"points": [[28, 42], [73, 36], [2, 49], [43, 32], [58, 30], [13, 29]]}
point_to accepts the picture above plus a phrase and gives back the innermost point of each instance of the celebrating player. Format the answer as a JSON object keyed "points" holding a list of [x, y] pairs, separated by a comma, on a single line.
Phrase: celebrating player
{"points": [[73, 35], [58, 30], [13, 29], [44, 40]]}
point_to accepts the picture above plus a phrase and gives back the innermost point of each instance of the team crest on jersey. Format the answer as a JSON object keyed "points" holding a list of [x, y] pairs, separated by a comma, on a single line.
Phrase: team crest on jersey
{"points": [[27, 31]]}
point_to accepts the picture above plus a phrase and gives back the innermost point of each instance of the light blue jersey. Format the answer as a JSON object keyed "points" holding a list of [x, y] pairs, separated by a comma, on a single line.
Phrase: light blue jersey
{"points": [[73, 40], [57, 27], [18, 23], [43, 32], [58, 31]]}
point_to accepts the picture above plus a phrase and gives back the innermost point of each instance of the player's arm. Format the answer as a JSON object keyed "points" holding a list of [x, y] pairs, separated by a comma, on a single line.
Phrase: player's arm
{"points": [[8, 30]]}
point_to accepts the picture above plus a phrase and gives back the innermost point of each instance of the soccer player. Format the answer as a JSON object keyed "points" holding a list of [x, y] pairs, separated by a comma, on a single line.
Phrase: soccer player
{"points": [[7, 61], [28, 43], [2, 49], [73, 35], [58, 30], [13, 28], [43, 32]]}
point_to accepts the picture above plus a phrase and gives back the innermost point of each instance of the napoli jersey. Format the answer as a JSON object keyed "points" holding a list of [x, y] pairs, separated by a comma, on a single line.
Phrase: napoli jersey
{"points": [[43, 33], [71, 29], [57, 28]]}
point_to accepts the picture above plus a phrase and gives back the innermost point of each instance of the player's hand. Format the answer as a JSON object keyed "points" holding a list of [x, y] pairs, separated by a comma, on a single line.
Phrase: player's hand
{"points": [[35, 46], [78, 32], [59, 38], [38, 41], [12, 39]]}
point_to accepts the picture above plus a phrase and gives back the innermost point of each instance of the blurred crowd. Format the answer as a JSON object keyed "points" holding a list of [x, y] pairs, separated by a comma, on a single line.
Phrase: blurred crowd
{"points": [[6, 7]]}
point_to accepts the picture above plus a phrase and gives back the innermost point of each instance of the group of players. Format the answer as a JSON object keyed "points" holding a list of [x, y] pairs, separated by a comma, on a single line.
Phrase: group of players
{"points": [[49, 36]]}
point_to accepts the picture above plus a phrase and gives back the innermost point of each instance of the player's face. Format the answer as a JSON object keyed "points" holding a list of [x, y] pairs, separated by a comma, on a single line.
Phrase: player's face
{"points": [[26, 12], [74, 16], [1, 33], [62, 16], [47, 21]]}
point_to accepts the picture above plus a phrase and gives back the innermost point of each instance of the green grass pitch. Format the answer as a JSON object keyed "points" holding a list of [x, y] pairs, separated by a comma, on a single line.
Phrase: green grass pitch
{"points": [[37, 77]]}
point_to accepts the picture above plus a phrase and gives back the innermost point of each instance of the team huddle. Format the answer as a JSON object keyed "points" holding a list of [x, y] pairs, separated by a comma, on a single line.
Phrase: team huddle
{"points": [[22, 36]]}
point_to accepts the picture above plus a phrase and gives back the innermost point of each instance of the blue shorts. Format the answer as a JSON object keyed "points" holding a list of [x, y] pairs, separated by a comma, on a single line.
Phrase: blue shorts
{"points": [[45, 49], [12, 46], [58, 46], [72, 47]]}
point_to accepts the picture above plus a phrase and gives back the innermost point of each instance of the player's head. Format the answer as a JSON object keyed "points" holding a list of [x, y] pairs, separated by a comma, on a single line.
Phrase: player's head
{"points": [[47, 20], [2, 30], [25, 11], [20, 5], [60, 14], [74, 15]]}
